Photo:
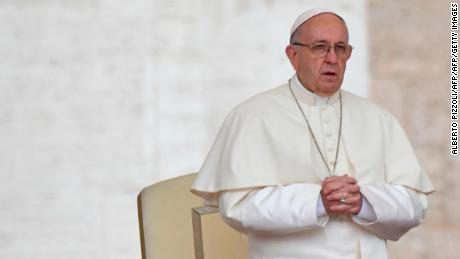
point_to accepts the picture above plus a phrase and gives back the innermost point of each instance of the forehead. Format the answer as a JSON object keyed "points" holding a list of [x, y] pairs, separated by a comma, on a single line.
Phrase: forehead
{"points": [[325, 27]]}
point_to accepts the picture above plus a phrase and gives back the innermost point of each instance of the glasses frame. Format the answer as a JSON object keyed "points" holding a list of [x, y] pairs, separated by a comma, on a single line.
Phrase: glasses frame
{"points": [[330, 46]]}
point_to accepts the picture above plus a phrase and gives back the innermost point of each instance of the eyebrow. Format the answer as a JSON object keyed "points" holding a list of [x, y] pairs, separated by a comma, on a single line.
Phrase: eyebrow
{"points": [[327, 42]]}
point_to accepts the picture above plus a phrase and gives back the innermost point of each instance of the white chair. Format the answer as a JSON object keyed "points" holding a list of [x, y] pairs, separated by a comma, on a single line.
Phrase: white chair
{"points": [[167, 231]]}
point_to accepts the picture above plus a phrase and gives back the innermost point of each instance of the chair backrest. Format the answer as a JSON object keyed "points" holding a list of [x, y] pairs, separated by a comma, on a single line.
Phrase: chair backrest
{"points": [[166, 229]]}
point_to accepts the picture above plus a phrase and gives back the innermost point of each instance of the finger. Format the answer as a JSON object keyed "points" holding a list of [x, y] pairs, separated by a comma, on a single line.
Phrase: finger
{"points": [[356, 204], [333, 178], [349, 179], [343, 178], [354, 210], [347, 205], [329, 179], [345, 196], [332, 187], [337, 195], [344, 192], [353, 200], [339, 185]]}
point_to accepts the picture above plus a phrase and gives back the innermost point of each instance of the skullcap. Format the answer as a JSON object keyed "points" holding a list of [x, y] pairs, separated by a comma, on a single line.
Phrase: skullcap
{"points": [[305, 16]]}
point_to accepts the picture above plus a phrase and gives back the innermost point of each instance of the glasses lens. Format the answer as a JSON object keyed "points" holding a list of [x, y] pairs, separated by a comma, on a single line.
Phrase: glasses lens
{"points": [[322, 49], [341, 50], [319, 49]]}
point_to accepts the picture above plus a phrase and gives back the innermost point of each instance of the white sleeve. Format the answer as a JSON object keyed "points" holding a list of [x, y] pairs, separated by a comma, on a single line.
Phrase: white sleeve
{"points": [[366, 213], [277, 209], [395, 210]]}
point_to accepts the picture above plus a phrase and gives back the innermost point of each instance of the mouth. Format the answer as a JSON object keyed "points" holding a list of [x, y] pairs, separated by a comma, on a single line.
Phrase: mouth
{"points": [[329, 73]]}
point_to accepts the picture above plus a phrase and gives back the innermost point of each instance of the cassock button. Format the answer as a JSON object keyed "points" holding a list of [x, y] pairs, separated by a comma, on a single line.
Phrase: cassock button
{"points": [[323, 108], [326, 121], [328, 134], [330, 149]]}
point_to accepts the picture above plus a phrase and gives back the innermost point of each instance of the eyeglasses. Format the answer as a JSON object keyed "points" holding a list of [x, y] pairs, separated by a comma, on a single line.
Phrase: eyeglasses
{"points": [[320, 49]]}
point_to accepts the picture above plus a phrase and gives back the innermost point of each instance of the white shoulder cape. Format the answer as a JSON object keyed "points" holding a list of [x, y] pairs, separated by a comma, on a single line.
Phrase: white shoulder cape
{"points": [[264, 142]]}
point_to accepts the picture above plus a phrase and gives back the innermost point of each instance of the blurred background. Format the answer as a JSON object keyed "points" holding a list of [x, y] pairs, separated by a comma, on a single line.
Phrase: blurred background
{"points": [[100, 98]]}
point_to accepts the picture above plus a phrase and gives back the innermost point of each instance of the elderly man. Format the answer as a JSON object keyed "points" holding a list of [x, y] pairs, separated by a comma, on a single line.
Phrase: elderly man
{"points": [[311, 171]]}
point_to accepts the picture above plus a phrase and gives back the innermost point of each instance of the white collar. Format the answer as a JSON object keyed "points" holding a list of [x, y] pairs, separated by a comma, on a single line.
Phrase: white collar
{"points": [[319, 100]]}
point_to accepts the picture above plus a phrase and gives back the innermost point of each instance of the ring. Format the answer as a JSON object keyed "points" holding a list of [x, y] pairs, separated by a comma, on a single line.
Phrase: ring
{"points": [[343, 201]]}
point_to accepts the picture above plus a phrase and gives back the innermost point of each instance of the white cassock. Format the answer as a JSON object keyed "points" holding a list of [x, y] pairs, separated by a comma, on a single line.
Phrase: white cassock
{"points": [[264, 172]]}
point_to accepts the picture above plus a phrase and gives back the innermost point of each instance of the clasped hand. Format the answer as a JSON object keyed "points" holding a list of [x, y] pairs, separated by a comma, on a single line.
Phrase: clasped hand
{"points": [[341, 195]]}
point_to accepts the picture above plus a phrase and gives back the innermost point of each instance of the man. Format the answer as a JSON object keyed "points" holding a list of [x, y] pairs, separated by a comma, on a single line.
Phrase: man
{"points": [[311, 171]]}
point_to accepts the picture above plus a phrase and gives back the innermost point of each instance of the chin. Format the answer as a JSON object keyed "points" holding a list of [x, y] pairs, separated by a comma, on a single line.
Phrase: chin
{"points": [[329, 89]]}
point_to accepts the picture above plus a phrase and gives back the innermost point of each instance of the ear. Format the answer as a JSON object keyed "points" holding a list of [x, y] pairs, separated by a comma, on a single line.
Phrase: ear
{"points": [[351, 51], [293, 56]]}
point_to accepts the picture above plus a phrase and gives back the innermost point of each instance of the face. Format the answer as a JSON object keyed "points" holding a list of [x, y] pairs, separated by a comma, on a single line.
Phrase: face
{"points": [[321, 75]]}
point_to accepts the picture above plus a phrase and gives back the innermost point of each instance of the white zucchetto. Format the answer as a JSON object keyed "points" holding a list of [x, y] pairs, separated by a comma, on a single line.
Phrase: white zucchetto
{"points": [[305, 16]]}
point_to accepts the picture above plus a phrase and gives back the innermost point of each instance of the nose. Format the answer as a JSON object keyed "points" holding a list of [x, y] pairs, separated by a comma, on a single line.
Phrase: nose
{"points": [[331, 56]]}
